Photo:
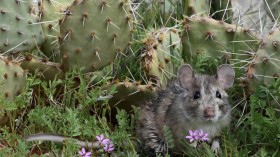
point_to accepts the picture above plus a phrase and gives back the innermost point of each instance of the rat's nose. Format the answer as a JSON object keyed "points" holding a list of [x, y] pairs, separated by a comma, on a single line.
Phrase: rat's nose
{"points": [[209, 112]]}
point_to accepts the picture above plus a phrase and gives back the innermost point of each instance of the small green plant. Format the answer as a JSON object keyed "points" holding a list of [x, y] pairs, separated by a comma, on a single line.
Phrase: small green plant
{"points": [[168, 137], [262, 119]]}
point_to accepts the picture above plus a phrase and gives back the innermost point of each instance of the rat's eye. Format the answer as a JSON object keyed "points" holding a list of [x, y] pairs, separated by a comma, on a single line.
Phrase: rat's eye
{"points": [[218, 95], [196, 95]]}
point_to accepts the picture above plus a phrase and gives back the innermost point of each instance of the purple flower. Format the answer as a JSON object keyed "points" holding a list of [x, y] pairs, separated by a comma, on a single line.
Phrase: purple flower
{"points": [[193, 135], [101, 139], [109, 147], [197, 136], [83, 153], [203, 136]]}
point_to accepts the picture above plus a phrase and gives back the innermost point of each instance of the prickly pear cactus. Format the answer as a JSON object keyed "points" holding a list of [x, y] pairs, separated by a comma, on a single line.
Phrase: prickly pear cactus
{"points": [[12, 83], [161, 55], [12, 79], [93, 32], [45, 70], [50, 12], [206, 36], [265, 65], [19, 28], [130, 93]]}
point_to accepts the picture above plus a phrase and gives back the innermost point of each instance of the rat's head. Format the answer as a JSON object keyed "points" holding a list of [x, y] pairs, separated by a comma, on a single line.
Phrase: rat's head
{"points": [[206, 98]]}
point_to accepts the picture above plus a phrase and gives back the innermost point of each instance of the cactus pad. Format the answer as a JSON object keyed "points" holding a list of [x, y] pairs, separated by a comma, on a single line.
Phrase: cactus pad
{"points": [[93, 32], [161, 55], [19, 28], [214, 38], [12, 80], [45, 70], [265, 65], [50, 12], [129, 93]]}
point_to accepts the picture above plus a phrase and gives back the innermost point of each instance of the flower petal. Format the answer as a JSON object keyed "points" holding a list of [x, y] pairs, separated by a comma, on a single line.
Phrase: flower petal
{"points": [[205, 139], [105, 141], [88, 153], [81, 153], [191, 132], [102, 136], [98, 138], [83, 150], [195, 132], [189, 137]]}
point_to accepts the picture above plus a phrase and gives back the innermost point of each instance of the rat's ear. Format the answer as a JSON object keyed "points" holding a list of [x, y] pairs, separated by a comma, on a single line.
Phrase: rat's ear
{"points": [[185, 76], [225, 76]]}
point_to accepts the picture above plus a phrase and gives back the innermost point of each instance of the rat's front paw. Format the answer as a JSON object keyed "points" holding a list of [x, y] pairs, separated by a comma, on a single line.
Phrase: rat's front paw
{"points": [[216, 146]]}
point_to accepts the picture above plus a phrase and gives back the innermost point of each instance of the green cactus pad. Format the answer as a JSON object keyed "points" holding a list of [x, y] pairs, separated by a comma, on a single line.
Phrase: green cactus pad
{"points": [[161, 55], [19, 28], [214, 38], [129, 93], [265, 66], [12, 83], [93, 32], [44, 69], [12, 79], [50, 12]]}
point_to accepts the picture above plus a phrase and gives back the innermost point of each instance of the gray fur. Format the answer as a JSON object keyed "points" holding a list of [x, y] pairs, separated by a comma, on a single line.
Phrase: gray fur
{"points": [[177, 109]]}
